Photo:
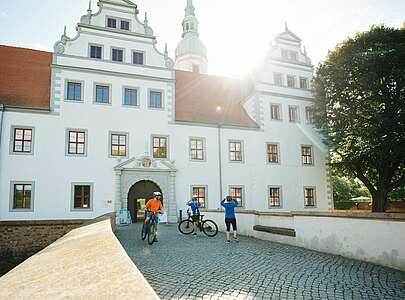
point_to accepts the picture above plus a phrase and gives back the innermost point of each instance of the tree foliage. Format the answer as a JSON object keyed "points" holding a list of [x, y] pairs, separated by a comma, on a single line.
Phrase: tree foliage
{"points": [[360, 92]]}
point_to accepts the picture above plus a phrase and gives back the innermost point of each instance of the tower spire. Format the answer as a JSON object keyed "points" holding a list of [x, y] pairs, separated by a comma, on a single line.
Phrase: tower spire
{"points": [[190, 9]]}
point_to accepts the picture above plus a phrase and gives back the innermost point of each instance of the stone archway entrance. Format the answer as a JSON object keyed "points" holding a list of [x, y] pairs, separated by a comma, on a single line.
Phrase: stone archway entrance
{"points": [[138, 194]]}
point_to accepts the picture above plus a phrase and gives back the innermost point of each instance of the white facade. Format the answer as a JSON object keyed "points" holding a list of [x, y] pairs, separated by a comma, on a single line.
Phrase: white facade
{"points": [[53, 173]]}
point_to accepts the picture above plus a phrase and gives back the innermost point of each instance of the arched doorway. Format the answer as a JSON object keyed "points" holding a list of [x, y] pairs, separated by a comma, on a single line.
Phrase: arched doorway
{"points": [[138, 194]]}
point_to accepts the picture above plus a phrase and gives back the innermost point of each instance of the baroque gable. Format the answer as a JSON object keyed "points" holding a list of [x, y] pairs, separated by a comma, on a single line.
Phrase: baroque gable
{"points": [[146, 164]]}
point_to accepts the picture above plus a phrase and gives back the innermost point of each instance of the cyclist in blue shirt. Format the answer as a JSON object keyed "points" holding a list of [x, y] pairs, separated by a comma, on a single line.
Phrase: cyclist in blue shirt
{"points": [[229, 204], [195, 208]]}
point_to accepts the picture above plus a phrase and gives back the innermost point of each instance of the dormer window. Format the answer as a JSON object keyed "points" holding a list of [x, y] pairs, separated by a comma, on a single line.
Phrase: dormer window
{"points": [[111, 23], [96, 51], [124, 25]]}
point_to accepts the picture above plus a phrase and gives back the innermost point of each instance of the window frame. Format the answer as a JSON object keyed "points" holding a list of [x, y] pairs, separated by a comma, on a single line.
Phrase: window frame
{"points": [[107, 18], [294, 80], [96, 45], [12, 139], [280, 196], [281, 77], [204, 149], [95, 93], [205, 187], [67, 141], [312, 156], [143, 58], [149, 99], [242, 150], [297, 114], [278, 153], [12, 195], [67, 81], [280, 112], [124, 88], [309, 121], [129, 25], [242, 187], [314, 196], [153, 136], [72, 197], [120, 133], [306, 83], [119, 49]]}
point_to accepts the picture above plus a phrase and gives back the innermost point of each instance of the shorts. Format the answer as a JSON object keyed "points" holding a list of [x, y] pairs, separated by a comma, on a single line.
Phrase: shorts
{"points": [[228, 223], [152, 217], [195, 218]]}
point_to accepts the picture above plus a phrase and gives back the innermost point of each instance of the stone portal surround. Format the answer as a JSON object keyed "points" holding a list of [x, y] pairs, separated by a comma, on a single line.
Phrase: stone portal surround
{"points": [[125, 179]]}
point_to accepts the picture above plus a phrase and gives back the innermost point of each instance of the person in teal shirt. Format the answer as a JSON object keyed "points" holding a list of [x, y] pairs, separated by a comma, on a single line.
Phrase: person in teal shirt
{"points": [[229, 205], [195, 208]]}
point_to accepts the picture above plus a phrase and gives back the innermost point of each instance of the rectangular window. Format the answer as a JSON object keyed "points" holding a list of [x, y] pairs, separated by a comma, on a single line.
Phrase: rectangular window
{"points": [[291, 81], [200, 193], [272, 153], [307, 158], [309, 197], [274, 197], [275, 112], [102, 94], [111, 23], [235, 151], [22, 140], [237, 194], [124, 25], [197, 149], [131, 97], [310, 115], [303, 83], [82, 197], [117, 55], [74, 91], [160, 147], [96, 52], [22, 196], [278, 79], [77, 142], [155, 99], [137, 58], [118, 145], [293, 114]]}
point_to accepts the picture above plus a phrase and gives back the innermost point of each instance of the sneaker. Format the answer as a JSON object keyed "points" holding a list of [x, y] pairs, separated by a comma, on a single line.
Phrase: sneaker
{"points": [[236, 239], [155, 240], [228, 241], [195, 233]]}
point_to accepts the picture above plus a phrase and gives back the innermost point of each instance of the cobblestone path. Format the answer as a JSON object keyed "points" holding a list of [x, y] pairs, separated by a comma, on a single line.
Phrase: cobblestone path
{"points": [[187, 267]]}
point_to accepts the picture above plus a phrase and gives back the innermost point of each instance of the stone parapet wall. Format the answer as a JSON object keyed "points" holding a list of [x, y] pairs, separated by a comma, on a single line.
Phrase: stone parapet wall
{"points": [[87, 263], [373, 237], [25, 238]]}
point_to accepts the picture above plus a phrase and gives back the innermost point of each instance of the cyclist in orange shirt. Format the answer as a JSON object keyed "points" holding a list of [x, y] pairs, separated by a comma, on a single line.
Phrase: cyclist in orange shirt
{"points": [[153, 207]]}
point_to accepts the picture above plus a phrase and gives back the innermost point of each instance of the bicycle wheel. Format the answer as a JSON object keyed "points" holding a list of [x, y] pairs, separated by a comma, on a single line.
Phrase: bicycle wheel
{"points": [[209, 228], [152, 233], [186, 227], [144, 231]]}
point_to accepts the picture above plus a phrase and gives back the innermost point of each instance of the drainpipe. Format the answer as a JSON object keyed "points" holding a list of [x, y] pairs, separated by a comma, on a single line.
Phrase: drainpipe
{"points": [[220, 162], [1, 122]]}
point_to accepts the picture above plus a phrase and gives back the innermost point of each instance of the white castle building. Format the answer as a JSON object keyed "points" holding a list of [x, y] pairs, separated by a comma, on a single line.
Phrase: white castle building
{"points": [[107, 118]]}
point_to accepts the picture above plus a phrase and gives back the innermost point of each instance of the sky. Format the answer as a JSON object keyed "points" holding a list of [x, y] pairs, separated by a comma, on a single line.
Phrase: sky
{"points": [[237, 33]]}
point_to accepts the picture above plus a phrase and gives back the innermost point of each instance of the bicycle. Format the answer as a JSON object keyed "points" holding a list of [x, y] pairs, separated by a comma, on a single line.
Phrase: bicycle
{"points": [[209, 227], [149, 230]]}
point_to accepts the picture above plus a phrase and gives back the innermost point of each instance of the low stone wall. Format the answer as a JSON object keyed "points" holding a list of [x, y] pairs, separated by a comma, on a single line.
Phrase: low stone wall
{"points": [[374, 237], [87, 263], [24, 238]]}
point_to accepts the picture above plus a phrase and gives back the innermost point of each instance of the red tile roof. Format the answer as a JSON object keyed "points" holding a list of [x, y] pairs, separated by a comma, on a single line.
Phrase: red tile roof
{"points": [[25, 81], [25, 77], [198, 96]]}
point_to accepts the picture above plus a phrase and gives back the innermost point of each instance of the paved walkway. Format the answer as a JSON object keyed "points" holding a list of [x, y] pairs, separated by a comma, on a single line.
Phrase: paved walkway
{"points": [[187, 267]]}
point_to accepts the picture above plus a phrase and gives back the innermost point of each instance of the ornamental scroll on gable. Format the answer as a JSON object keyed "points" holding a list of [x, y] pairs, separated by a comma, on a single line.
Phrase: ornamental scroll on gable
{"points": [[146, 163]]}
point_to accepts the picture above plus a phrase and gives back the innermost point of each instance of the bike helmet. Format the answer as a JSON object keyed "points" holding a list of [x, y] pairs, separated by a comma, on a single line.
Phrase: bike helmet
{"points": [[157, 194], [228, 199]]}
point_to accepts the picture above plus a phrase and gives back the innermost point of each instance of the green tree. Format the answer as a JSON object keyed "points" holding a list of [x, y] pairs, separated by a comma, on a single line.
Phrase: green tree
{"points": [[345, 188], [360, 92]]}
